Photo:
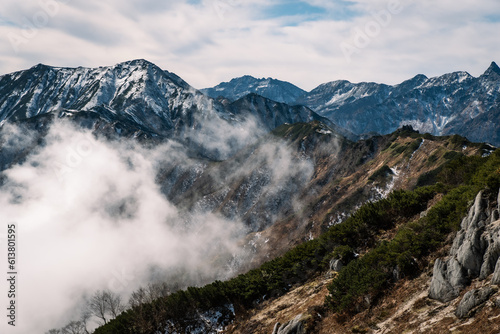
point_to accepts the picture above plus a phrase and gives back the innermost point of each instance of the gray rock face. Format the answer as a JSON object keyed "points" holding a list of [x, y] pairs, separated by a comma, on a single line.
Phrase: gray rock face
{"points": [[475, 253], [468, 246], [471, 300], [496, 275], [336, 265], [295, 326], [448, 280]]}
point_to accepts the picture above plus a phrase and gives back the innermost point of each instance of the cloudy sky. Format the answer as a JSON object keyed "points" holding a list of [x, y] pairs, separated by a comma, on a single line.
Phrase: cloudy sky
{"points": [[306, 42]]}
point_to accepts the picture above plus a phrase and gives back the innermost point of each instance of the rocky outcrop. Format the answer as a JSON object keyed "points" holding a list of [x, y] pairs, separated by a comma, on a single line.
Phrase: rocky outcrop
{"points": [[336, 265], [475, 253], [295, 326], [448, 280], [472, 300]]}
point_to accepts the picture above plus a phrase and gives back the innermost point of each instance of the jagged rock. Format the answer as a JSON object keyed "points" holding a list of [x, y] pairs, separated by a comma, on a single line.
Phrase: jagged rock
{"points": [[496, 275], [468, 246], [448, 279], [295, 326], [475, 253], [492, 253], [492, 256], [471, 300], [336, 264]]}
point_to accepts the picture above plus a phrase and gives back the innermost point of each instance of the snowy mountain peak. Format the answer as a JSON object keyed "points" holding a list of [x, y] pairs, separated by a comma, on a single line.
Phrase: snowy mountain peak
{"points": [[137, 92], [448, 79], [492, 70], [280, 91]]}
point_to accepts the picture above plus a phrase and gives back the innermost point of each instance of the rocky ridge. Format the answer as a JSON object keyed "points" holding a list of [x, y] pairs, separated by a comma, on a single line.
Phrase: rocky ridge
{"points": [[475, 254]]}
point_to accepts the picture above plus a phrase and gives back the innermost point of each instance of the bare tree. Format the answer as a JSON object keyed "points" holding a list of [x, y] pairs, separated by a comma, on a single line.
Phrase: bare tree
{"points": [[84, 319], [74, 327], [137, 298], [105, 305], [146, 295], [54, 331], [98, 305], [115, 304]]}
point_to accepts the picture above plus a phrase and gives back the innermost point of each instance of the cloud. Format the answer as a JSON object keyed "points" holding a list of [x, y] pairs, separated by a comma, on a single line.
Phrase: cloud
{"points": [[90, 216], [210, 41]]}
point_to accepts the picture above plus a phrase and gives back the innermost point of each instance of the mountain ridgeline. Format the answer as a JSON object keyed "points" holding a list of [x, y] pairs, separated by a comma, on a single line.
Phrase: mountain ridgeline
{"points": [[135, 97], [454, 103], [141, 96]]}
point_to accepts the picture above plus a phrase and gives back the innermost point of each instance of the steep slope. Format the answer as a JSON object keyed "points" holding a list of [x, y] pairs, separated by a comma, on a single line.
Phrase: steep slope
{"points": [[335, 191], [406, 301], [279, 91], [272, 114]]}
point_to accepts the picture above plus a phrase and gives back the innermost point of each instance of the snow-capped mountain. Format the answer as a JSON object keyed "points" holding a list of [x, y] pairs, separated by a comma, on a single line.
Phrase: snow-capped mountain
{"points": [[279, 91], [448, 104], [452, 103], [137, 94], [135, 91], [141, 96]]}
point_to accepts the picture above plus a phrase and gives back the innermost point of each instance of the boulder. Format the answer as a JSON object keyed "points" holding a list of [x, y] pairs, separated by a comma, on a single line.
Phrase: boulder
{"points": [[336, 265], [448, 279], [472, 300], [295, 326]]}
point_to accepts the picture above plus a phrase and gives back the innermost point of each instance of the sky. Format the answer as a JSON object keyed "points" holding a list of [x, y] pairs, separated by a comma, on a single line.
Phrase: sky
{"points": [[305, 42]]}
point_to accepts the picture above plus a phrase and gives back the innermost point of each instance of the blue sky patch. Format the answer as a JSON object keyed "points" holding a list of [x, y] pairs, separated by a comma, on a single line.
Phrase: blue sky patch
{"points": [[304, 11], [293, 8]]}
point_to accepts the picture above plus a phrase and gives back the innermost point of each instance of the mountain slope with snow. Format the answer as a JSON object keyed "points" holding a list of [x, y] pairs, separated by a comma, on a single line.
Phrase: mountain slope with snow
{"points": [[279, 91], [138, 98], [454, 103], [138, 91]]}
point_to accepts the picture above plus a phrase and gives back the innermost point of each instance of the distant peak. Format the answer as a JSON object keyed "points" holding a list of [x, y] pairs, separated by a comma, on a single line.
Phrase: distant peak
{"points": [[244, 78], [420, 77], [493, 69], [39, 66], [138, 62]]}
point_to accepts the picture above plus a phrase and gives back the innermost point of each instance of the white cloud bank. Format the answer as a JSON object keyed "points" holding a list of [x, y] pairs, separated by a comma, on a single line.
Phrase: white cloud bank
{"points": [[90, 216]]}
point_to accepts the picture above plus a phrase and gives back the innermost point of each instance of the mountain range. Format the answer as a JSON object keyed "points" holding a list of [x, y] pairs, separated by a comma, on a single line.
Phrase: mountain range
{"points": [[273, 89], [141, 96], [135, 95], [454, 103]]}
